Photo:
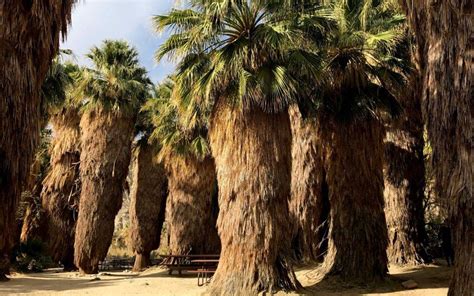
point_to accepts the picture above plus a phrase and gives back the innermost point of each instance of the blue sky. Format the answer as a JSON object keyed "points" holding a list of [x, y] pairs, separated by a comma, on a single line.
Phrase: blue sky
{"points": [[96, 20]]}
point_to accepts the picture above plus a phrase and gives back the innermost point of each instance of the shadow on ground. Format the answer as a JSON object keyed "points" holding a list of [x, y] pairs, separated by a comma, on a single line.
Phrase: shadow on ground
{"points": [[428, 277]]}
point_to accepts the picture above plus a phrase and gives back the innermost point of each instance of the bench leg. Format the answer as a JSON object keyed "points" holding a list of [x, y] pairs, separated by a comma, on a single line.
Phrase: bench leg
{"points": [[200, 283]]}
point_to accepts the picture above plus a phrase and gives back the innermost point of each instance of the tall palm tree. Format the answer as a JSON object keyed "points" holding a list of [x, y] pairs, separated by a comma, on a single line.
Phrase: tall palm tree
{"points": [[247, 58], [148, 194], [113, 90], [29, 34], [353, 90], [61, 187], [191, 209], [33, 227], [442, 31], [53, 96], [309, 204], [404, 173]]}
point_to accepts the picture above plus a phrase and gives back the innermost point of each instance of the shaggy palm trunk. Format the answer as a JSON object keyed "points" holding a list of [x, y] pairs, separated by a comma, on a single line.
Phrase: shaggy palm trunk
{"points": [[61, 188], [147, 206], [404, 176], [106, 147], [190, 212], [253, 161], [309, 205], [33, 227], [444, 31], [358, 230], [29, 39]]}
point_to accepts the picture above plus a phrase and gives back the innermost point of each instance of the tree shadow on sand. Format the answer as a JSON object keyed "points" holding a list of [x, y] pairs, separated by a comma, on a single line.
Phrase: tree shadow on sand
{"points": [[50, 281], [426, 276]]}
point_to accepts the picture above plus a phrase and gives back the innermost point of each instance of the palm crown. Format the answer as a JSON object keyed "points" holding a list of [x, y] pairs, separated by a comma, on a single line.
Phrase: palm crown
{"points": [[242, 52], [359, 59], [116, 82], [166, 124]]}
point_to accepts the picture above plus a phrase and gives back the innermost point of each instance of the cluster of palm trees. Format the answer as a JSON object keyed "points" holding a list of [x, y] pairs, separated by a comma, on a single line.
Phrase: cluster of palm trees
{"points": [[273, 140]]}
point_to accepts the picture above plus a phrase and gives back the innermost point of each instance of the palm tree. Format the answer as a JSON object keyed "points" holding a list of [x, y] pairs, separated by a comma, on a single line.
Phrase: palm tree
{"points": [[113, 91], [404, 173], [53, 96], [309, 204], [28, 45], [442, 33], [148, 196], [61, 187], [191, 209], [240, 60], [33, 228], [353, 91]]}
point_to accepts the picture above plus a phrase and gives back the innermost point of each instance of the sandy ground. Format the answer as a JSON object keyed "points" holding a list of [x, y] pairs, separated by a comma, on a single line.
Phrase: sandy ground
{"points": [[432, 280]]}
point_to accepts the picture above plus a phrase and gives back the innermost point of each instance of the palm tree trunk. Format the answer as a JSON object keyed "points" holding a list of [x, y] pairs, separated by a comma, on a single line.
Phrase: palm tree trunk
{"points": [[309, 204], [358, 230], [61, 188], [29, 39], [106, 147], [190, 212], [443, 30], [404, 176], [253, 160], [147, 206]]}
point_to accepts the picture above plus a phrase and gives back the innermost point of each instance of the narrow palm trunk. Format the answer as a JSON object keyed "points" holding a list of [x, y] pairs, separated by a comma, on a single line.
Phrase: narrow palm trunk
{"points": [[309, 205], [443, 33], [106, 147], [61, 188], [147, 207], [358, 230], [404, 177], [190, 213], [253, 160], [29, 39]]}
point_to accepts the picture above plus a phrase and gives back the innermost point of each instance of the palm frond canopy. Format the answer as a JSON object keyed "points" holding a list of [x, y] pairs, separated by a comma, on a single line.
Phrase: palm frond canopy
{"points": [[57, 87], [361, 60], [239, 51], [168, 128], [116, 81]]}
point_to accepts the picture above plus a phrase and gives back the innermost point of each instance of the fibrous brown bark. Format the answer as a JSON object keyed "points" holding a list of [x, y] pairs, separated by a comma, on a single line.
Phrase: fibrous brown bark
{"points": [[190, 211], [106, 147], [252, 150], [147, 207], [29, 39], [444, 31], [33, 227], [309, 204], [62, 188], [404, 177], [358, 230]]}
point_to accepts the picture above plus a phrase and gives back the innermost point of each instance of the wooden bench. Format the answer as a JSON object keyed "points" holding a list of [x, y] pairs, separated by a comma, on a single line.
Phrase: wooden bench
{"points": [[206, 271], [188, 263]]}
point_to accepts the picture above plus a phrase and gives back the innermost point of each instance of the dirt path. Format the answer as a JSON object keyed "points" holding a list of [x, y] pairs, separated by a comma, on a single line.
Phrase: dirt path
{"points": [[432, 280]]}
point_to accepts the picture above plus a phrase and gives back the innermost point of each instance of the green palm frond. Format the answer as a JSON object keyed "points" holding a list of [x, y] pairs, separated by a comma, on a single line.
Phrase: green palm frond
{"points": [[247, 53], [168, 130], [362, 64], [116, 82]]}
